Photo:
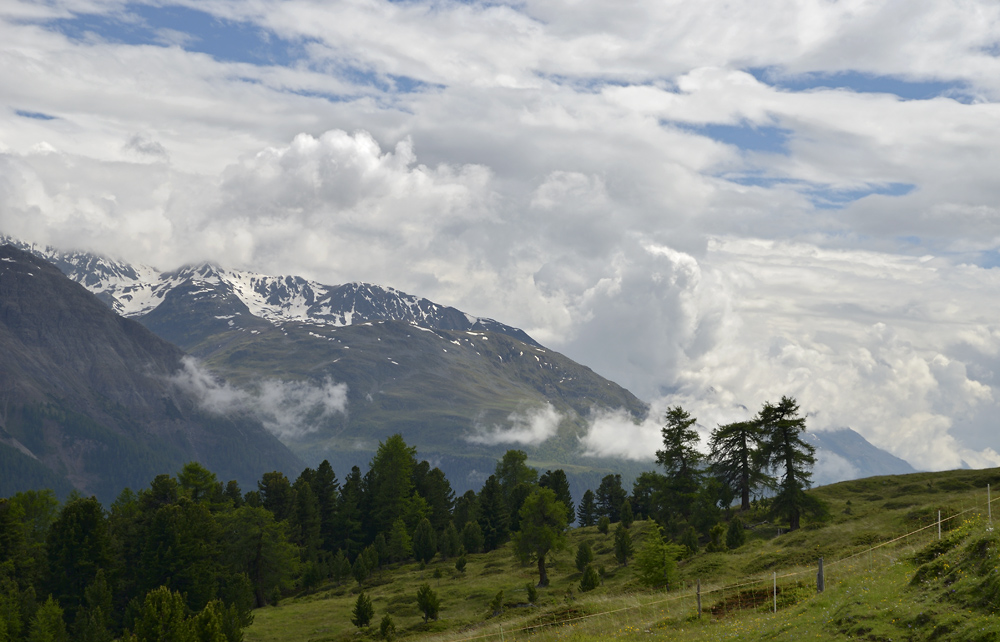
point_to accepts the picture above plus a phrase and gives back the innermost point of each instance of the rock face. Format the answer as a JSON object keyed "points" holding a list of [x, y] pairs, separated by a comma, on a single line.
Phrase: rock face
{"points": [[88, 399]]}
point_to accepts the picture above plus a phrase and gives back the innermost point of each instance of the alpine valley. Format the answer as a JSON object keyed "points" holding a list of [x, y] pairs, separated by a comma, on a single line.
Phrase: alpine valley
{"points": [[333, 370]]}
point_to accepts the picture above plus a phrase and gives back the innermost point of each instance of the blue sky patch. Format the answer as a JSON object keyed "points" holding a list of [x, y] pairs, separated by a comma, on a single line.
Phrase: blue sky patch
{"points": [[747, 137], [190, 29], [827, 198], [37, 115], [862, 83]]}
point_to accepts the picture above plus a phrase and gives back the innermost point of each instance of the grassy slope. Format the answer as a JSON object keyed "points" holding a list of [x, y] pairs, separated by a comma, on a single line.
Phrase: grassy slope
{"points": [[871, 594]]}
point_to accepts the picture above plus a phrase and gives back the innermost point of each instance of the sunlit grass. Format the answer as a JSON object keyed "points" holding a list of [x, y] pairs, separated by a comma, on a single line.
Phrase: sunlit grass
{"points": [[869, 591]]}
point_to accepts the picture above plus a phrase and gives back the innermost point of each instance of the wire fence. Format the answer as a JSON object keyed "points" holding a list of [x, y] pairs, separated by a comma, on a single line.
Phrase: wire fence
{"points": [[849, 561]]}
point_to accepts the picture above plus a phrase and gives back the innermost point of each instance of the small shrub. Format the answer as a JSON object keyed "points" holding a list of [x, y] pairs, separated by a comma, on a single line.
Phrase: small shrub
{"points": [[590, 581], [387, 629], [604, 525], [736, 535], [460, 564], [584, 556], [532, 593], [437, 573], [428, 602], [496, 606]]}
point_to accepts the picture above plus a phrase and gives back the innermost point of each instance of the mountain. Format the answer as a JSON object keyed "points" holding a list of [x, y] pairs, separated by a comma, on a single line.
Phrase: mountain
{"points": [[460, 388], [844, 454], [90, 400]]}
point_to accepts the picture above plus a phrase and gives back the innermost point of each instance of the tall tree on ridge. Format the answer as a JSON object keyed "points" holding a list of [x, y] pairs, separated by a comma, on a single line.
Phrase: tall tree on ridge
{"points": [[736, 456], [784, 449]]}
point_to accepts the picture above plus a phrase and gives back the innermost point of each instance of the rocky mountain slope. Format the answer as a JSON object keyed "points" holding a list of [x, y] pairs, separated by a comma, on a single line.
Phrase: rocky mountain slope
{"points": [[461, 388], [89, 399]]}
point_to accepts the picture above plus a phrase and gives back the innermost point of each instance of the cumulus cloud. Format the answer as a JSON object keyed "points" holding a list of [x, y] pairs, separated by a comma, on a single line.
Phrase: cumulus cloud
{"points": [[576, 169], [289, 409], [529, 428]]}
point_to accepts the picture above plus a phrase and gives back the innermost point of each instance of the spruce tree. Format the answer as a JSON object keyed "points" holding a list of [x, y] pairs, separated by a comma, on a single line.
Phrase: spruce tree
{"points": [[494, 521], [586, 514], [584, 556], [424, 542], [363, 612]]}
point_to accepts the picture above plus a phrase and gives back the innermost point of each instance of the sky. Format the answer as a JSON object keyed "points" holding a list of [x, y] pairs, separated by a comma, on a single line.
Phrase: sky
{"points": [[713, 203]]}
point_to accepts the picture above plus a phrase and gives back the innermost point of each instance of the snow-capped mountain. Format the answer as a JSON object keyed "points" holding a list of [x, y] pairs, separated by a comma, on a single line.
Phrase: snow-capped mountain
{"points": [[137, 290]]}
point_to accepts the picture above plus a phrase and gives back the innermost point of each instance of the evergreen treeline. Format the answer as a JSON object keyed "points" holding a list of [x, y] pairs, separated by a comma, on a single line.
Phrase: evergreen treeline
{"points": [[188, 558]]}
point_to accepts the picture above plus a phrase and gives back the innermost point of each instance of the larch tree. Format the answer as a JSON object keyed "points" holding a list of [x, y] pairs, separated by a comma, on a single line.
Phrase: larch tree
{"points": [[735, 452], [785, 450]]}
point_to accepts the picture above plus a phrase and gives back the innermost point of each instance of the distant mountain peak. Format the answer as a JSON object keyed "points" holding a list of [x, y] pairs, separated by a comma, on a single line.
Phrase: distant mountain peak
{"points": [[137, 290]]}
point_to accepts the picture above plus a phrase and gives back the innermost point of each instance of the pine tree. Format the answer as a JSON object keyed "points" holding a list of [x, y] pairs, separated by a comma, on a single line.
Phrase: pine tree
{"points": [[424, 542], [591, 580], [610, 496], [586, 514], [493, 518], [428, 602], [681, 461], [276, 495], [556, 481], [584, 556], [363, 612], [623, 545], [163, 617], [400, 545], [78, 546], [389, 485], [626, 518], [472, 538]]}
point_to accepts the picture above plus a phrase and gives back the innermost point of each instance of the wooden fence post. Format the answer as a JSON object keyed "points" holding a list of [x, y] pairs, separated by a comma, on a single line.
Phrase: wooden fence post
{"points": [[820, 584]]}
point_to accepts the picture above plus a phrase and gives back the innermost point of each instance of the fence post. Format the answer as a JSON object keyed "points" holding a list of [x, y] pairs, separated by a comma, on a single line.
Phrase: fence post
{"points": [[699, 597], [989, 504], [820, 584], [774, 578], [939, 525]]}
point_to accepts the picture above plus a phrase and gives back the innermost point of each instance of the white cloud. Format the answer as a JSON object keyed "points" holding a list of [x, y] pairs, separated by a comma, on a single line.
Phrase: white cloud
{"points": [[552, 172], [289, 409], [529, 428]]}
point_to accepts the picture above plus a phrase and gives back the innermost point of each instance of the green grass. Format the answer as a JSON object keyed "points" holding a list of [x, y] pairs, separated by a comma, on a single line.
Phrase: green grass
{"points": [[913, 588]]}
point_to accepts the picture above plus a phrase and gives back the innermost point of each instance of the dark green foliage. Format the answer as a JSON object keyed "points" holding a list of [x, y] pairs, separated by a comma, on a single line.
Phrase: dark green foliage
{"points": [[493, 518], [94, 620], [656, 562], [496, 604], [532, 593], [363, 612], [784, 449], [690, 540], [515, 501], [306, 521], [340, 567], [434, 488], [387, 628], [451, 541], [511, 471], [360, 569], [682, 463], [347, 527], [48, 625], [717, 539], [428, 602], [257, 546], [586, 514], [466, 509], [78, 546], [623, 545], [737, 459], [610, 496], [646, 491], [276, 495], [590, 580], [736, 535], [460, 563], [424, 542], [400, 544], [584, 556], [543, 525], [556, 481], [389, 492], [472, 538], [163, 617], [626, 517], [603, 525]]}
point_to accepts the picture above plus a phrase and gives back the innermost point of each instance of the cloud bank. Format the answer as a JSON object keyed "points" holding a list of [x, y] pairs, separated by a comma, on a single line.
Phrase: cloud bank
{"points": [[530, 428], [288, 409]]}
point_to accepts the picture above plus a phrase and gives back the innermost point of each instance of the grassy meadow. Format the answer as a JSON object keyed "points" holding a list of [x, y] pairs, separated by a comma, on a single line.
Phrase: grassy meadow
{"points": [[888, 577]]}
